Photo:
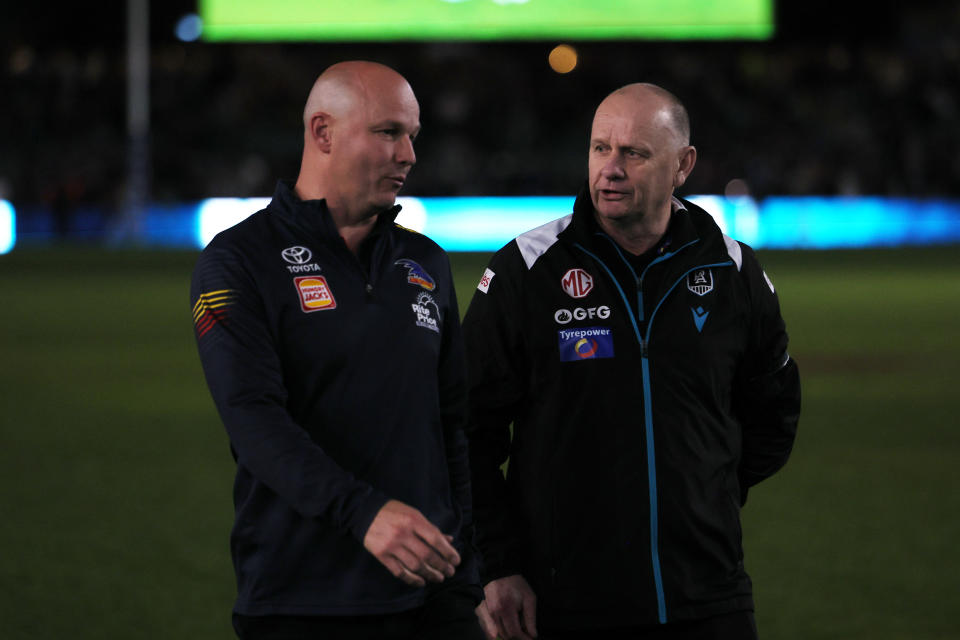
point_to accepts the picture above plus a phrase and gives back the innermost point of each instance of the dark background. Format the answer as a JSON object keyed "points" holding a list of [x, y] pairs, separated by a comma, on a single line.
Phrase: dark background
{"points": [[115, 472], [848, 98]]}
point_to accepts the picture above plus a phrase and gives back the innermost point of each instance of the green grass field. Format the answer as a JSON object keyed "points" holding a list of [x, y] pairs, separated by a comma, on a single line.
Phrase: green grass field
{"points": [[115, 475]]}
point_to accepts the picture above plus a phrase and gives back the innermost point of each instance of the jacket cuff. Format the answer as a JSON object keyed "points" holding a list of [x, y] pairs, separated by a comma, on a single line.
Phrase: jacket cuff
{"points": [[365, 513], [493, 567]]}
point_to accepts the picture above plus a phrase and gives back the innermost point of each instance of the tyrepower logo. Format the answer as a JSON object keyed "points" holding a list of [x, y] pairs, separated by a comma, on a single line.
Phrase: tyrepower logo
{"points": [[315, 294], [577, 283], [587, 343]]}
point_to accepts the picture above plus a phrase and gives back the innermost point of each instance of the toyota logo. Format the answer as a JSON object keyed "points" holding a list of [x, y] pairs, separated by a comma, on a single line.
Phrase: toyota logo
{"points": [[296, 255]]}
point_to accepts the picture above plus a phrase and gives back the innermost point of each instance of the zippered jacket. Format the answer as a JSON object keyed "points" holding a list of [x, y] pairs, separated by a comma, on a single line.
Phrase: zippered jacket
{"points": [[644, 403], [341, 383]]}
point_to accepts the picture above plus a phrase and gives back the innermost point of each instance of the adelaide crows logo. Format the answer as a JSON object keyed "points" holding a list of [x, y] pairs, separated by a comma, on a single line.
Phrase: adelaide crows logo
{"points": [[417, 274]]}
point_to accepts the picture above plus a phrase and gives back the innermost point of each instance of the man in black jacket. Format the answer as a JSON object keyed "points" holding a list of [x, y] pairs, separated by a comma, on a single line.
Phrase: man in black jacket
{"points": [[331, 343], [641, 357]]}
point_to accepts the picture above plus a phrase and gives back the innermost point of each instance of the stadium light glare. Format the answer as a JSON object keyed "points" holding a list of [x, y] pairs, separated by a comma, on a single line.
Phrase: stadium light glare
{"points": [[562, 58], [189, 28], [217, 214], [413, 215], [456, 224], [488, 223], [8, 227]]}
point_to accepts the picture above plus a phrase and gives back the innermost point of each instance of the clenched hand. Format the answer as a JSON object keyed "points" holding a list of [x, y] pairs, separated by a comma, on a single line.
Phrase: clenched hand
{"points": [[509, 609]]}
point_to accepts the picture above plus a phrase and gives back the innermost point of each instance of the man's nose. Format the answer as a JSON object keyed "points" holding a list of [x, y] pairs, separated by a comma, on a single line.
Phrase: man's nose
{"points": [[404, 153], [613, 169]]}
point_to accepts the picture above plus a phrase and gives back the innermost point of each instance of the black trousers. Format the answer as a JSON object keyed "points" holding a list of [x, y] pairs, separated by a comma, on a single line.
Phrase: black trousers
{"points": [[739, 625], [448, 615]]}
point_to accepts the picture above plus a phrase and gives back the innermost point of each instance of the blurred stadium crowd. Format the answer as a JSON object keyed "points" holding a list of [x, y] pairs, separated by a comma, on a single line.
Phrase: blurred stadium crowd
{"points": [[845, 108]]}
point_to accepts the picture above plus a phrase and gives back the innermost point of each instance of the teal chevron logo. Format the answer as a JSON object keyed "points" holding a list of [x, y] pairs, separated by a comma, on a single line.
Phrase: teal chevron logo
{"points": [[699, 317]]}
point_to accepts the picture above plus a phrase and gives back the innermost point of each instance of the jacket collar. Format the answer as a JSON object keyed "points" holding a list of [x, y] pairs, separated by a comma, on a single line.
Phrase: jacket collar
{"points": [[314, 214], [583, 227]]}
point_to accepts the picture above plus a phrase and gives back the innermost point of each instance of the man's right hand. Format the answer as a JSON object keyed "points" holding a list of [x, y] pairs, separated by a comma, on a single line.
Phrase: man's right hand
{"points": [[409, 546], [510, 609]]}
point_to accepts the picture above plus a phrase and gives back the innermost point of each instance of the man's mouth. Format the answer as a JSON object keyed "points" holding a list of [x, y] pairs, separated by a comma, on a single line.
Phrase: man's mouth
{"points": [[611, 194]]}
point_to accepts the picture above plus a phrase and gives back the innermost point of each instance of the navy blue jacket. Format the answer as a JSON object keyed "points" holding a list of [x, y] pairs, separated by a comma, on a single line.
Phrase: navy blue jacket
{"points": [[645, 400], [341, 384]]}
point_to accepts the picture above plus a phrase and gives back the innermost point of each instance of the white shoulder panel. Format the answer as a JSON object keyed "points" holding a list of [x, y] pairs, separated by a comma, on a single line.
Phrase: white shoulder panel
{"points": [[733, 248], [534, 243]]}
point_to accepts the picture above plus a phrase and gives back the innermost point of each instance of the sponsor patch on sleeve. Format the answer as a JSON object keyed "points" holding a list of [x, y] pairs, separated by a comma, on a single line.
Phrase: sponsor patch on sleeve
{"points": [[485, 280], [585, 343]]}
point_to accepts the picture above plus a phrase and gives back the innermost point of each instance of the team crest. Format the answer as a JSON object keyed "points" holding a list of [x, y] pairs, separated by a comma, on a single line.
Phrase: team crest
{"points": [[700, 281], [315, 294], [416, 274], [577, 283]]}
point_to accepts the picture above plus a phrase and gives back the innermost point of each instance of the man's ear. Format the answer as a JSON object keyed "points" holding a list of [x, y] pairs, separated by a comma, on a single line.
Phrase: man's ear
{"points": [[318, 130], [688, 158]]}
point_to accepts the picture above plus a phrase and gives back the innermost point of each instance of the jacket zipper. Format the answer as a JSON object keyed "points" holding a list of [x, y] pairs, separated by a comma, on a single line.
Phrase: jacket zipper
{"points": [[644, 341], [651, 458], [353, 259]]}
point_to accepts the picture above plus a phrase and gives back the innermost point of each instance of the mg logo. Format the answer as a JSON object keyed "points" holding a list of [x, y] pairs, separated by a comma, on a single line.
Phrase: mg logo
{"points": [[577, 283], [296, 255]]}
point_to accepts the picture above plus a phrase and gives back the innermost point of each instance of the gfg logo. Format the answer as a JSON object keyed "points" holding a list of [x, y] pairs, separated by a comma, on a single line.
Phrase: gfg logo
{"points": [[296, 255], [565, 316]]}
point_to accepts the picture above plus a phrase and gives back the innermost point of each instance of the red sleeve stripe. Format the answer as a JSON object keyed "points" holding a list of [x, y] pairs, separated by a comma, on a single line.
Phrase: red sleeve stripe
{"points": [[211, 309]]}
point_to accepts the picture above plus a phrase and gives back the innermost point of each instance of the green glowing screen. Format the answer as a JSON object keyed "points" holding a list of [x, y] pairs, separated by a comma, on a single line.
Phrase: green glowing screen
{"points": [[390, 20]]}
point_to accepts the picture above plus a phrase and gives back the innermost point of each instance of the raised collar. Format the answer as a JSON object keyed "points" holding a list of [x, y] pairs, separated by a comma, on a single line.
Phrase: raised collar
{"points": [[314, 214], [584, 227]]}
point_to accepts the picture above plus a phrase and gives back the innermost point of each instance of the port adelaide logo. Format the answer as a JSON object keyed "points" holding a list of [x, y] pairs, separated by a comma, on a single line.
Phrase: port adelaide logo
{"points": [[577, 283], [299, 259], [700, 281]]}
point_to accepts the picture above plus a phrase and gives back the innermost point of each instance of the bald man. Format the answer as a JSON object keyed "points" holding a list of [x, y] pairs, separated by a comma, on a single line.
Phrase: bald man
{"points": [[331, 344], [641, 357]]}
